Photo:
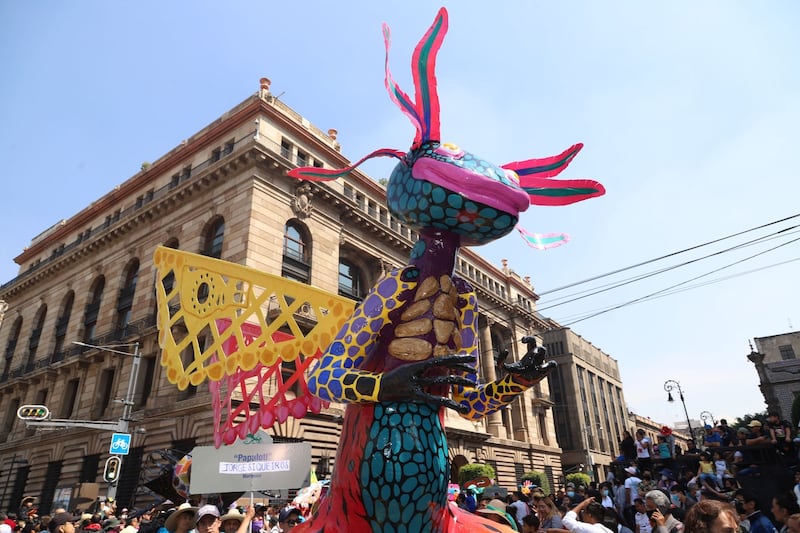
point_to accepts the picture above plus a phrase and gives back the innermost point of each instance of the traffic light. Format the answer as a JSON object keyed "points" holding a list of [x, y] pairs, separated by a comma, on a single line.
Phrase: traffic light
{"points": [[112, 470], [33, 412]]}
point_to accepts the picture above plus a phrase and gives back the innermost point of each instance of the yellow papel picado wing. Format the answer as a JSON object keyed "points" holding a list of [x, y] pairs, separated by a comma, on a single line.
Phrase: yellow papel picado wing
{"points": [[205, 307]]}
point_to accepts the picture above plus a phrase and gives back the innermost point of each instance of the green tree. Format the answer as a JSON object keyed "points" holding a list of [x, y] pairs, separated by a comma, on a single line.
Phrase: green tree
{"points": [[474, 470], [743, 421], [579, 478], [538, 479]]}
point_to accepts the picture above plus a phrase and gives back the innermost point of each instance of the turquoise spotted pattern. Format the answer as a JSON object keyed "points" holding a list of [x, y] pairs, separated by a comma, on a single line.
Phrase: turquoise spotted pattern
{"points": [[421, 204], [405, 466]]}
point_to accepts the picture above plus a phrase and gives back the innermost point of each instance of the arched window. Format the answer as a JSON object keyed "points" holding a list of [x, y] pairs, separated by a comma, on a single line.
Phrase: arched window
{"points": [[351, 281], [169, 280], [212, 242], [62, 324], [93, 309], [296, 252], [125, 300], [11, 346], [36, 334]]}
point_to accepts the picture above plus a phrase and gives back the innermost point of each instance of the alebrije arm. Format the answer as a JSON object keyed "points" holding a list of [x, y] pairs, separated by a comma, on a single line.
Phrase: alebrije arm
{"points": [[546, 191], [543, 241], [400, 98], [423, 65], [328, 174], [546, 167]]}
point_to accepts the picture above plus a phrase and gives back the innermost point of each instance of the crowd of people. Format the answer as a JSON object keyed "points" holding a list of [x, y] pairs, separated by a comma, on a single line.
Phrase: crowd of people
{"points": [[657, 488], [164, 518]]}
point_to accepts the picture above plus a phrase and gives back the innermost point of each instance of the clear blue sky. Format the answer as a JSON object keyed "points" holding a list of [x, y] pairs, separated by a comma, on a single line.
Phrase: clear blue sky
{"points": [[688, 110]]}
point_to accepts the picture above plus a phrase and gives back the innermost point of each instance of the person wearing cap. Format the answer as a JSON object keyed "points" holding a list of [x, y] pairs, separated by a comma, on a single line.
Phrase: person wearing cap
{"points": [[287, 519], [495, 511], [756, 435], [63, 523], [208, 519], [235, 522], [182, 519], [632, 483], [591, 516]]}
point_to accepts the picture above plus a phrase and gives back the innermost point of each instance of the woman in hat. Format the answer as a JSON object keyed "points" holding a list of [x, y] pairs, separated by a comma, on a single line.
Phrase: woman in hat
{"points": [[496, 512], [235, 522], [182, 519]]}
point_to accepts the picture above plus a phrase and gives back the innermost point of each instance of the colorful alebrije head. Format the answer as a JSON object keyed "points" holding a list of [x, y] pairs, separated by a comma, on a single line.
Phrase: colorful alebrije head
{"points": [[441, 187]]}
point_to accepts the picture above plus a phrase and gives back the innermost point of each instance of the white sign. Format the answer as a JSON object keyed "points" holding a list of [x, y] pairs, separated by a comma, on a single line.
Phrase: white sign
{"points": [[255, 464]]}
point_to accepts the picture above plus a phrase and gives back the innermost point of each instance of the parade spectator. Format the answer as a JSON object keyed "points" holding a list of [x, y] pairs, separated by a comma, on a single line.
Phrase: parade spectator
{"points": [[712, 516], [713, 438], [518, 506], [611, 521], [627, 447], [757, 435], [495, 511], [5, 527], [706, 472], [660, 512], [287, 519], [796, 488], [747, 504], [235, 522], [640, 519], [549, 517], [793, 524], [530, 524], [644, 451], [681, 501], [592, 515], [784, 506], [182, 520], [606, 499], [63, 523], [632, 483], [208, 519], [780, 432], [727, 434]]}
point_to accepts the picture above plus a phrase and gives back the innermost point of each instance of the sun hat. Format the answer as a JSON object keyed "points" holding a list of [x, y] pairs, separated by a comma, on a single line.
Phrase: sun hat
{"points": [[497, 507], [232, 514], [172, 520]]}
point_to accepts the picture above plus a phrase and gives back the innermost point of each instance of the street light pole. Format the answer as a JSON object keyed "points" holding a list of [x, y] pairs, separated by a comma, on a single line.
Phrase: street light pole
{"points": [[128, 403], [705, 416], [671, 385]]}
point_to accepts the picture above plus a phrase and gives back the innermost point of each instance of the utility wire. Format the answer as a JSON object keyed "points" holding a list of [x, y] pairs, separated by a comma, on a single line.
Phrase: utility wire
{"points": [[599, 276], [604, 288], [651, 295], [690, 287]]}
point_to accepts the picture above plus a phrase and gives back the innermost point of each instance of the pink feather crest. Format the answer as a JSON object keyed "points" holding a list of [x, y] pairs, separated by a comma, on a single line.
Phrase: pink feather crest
{"points": [[424, 111], [546, 167]]}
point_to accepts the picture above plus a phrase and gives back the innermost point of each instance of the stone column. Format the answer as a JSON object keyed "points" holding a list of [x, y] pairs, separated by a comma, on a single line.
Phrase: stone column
{"points": [[495, 420]]}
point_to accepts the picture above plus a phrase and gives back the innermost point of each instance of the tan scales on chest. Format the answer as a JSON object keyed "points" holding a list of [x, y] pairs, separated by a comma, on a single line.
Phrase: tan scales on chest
{"points": [[433, 309]]}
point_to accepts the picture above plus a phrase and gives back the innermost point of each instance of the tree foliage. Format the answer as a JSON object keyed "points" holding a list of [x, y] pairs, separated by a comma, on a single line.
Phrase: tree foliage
{"points": [[579, 478], [742, 421], [474, 470]]}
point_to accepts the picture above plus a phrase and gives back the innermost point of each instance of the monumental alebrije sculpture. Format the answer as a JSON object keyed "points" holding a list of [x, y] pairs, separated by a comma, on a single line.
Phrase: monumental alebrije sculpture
{"points": [[402, 356]]}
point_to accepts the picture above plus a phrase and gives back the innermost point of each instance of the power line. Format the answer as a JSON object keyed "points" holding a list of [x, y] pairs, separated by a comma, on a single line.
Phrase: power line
{"points": [[690, 287], [653, 294], [593, 278], [607, 287]]}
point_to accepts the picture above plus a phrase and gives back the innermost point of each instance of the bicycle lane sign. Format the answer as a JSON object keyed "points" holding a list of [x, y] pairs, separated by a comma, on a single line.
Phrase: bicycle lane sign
{"points": [[120, 444]]}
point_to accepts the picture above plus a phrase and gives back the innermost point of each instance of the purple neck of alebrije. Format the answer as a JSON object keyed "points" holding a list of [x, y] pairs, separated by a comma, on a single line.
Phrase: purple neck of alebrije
{"points": [[439, 257]]}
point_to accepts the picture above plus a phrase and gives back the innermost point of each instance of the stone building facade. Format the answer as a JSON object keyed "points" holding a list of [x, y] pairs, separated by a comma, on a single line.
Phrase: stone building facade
{"points": [[588, 402], [223, 192], [778, 369]]}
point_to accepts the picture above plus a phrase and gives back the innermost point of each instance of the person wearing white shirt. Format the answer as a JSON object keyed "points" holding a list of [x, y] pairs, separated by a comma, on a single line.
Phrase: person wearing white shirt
{"points": [[592, 514]]}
